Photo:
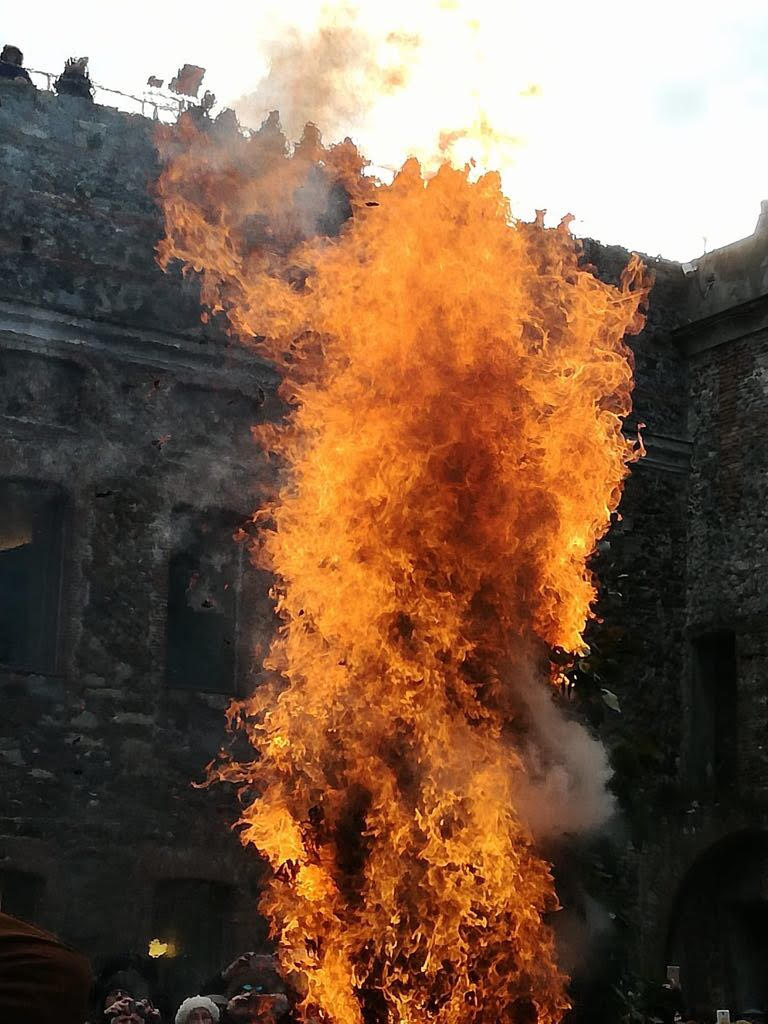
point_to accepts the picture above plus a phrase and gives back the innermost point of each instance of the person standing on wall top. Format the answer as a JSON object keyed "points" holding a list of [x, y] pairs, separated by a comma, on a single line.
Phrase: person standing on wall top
{"points": [[75, 79], [12, 64]]}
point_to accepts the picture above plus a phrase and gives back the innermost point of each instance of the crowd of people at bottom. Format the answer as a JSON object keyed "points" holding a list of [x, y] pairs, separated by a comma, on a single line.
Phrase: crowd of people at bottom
{"points": [[250, 989], [43, 981]]}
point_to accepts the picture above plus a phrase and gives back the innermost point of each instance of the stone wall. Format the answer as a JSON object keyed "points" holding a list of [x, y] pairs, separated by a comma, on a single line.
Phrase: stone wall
{"points": [[114, 395], [79, 219], [720, 710]]}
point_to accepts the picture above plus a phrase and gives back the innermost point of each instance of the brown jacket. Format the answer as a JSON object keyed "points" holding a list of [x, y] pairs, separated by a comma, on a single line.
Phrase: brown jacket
{"points": [[41, 981]]}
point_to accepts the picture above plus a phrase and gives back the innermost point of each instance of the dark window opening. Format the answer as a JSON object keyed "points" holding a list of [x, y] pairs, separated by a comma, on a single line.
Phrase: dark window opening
{"points": [[21, 894], [748, 928], [31, 530], [203, 592], [713, 710], [718, 929], [192, 916]]}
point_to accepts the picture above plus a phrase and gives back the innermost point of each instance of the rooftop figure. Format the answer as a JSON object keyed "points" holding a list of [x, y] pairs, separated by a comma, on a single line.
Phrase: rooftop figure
{"points": [[12, 64], [74, 79]]}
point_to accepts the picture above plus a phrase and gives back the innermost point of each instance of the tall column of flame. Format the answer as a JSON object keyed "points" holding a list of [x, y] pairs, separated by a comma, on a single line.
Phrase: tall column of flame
{"points": [[456, 385]]}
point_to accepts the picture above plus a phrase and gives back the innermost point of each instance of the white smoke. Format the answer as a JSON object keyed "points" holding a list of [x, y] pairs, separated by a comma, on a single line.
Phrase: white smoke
{"points": [[563, 790]]}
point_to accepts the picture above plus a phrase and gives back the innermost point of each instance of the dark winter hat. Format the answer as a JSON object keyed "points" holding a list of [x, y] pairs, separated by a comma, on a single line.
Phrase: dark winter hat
{"points": [[128, 981], [126, 974]]}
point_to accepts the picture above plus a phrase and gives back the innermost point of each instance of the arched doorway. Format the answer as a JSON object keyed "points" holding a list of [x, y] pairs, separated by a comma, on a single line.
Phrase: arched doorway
{"points": [[718, 929]]}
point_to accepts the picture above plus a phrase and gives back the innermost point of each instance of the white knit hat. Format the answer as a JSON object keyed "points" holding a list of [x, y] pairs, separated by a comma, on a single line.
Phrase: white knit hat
{"points": [[197, 1003]]}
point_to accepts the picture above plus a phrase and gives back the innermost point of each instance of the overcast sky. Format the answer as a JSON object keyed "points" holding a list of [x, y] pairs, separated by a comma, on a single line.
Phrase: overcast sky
{"points": [[648, 121]]}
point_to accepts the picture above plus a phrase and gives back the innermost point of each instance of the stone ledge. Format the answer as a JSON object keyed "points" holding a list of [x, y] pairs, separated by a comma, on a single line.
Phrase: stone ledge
{"points": [[665, 452], [725, 327], [29, 327]]}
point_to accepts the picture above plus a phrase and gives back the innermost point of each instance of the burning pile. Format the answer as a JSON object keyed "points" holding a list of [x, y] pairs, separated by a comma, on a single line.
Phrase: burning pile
{"points": [[456, 385]]}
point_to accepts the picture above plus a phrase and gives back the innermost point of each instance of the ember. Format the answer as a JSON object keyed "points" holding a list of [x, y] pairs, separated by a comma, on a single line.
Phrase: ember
{"points": [[456, 384]]}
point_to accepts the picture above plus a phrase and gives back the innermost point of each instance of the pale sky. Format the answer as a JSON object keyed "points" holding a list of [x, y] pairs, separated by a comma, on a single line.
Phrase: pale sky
{"points": [[649, 121]]}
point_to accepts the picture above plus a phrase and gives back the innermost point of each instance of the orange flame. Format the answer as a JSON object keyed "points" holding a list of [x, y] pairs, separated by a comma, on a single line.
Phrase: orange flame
{"points": [[454, 449]]}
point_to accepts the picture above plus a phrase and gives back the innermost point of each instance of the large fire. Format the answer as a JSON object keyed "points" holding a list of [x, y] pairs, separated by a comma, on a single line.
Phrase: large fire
{"points": [[456, 383]]}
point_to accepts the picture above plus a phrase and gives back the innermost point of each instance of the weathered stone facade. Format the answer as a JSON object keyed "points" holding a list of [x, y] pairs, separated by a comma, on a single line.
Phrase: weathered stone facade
{"points": [[684, 603], [714, 831], [133, 418], [127, 461]]}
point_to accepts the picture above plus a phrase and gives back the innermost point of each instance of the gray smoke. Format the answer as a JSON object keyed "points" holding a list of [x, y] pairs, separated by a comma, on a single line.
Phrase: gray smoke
{"points": [[330, 76], [564, 789]]}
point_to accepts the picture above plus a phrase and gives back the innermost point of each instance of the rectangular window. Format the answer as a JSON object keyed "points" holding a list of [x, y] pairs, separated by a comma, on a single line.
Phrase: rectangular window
{"points": [[31, 530], [203, 591], [747, 933], [712, 739], [191, 915]]}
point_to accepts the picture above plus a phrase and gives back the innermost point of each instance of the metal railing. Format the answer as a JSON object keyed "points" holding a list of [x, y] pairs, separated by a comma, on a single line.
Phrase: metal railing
{"points": [[158, 105]]}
